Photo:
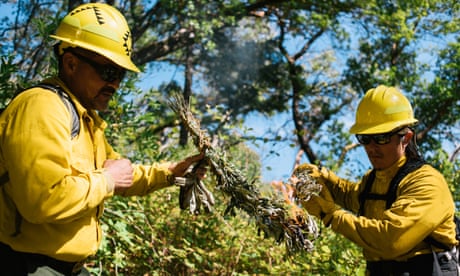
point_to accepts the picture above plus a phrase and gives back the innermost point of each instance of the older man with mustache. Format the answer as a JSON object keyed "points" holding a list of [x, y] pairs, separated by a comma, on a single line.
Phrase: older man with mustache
{"points": [[56, 164]]}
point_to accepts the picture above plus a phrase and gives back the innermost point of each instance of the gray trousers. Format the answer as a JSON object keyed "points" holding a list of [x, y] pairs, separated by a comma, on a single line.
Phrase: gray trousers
{"points": [[14, 263]]}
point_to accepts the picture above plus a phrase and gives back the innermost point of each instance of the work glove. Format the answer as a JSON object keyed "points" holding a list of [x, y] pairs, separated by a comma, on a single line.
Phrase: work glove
{"points": [[321, 174], [321, 206], [193, 194]]}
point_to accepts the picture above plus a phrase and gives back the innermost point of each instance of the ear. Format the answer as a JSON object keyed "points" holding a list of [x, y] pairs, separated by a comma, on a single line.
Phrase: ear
{"points": [[69, 63], [407, 137]]}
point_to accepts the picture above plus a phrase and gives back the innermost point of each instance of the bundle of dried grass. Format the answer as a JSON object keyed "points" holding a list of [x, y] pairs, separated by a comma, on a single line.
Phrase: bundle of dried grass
{"points": [[271, 215]]}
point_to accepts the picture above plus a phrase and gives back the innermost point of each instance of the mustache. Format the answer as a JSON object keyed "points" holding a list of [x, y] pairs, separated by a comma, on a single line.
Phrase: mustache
{"points": [[107, 90]]}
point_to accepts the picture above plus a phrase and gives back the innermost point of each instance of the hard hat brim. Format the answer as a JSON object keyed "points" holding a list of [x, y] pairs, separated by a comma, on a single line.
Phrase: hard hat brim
{"points": [[381, 128], [122, 61]]}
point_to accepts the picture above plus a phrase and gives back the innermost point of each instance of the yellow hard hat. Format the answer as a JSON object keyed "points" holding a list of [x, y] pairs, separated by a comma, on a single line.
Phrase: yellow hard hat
{"points": [[383, 109], [99, 28]]}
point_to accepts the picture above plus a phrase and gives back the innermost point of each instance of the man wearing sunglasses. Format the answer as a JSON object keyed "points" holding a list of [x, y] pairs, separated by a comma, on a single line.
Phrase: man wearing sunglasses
{"points": [[56, 185], [401, 212]]}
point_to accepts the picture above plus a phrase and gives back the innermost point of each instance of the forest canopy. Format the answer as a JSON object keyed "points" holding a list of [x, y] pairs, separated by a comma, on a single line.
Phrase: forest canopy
{"points": [[309, 61]]}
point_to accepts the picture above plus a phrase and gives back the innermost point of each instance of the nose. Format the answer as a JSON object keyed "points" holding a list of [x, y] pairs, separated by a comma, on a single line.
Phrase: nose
{"points": [[371, 147], [115, 84]]}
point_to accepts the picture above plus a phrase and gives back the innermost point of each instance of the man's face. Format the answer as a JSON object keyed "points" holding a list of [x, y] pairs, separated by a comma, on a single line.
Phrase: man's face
{"points": [[384, 156], [92, 78]]}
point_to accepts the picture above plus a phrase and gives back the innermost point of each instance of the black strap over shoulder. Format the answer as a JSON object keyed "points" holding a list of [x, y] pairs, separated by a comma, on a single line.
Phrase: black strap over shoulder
{"points": [[70, 106], [390, 195], [74, 132], [366, 193]]}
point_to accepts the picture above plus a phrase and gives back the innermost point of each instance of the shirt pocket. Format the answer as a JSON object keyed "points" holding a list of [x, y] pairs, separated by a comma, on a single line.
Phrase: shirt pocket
{"points": [[82, 158], [82, 163]]}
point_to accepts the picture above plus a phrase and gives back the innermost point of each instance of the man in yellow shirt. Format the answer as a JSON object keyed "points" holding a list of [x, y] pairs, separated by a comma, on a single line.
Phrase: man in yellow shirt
{"points": [[395, 238], [56, 186]]}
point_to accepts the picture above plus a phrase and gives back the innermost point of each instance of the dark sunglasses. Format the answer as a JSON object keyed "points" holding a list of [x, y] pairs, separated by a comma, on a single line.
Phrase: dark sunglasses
{"points": [[379, 139], [108, 73]]}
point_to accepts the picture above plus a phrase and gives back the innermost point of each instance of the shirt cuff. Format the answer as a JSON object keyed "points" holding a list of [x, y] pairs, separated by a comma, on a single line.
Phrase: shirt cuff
{"points": [[110, 182]]}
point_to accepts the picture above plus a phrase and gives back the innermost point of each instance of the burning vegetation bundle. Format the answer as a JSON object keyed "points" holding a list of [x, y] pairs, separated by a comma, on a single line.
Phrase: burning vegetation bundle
{"points": [[272, 216]]}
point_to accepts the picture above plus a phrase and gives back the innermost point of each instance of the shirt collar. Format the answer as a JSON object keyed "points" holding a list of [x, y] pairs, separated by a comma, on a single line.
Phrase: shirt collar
{"points": [[391, 171]]}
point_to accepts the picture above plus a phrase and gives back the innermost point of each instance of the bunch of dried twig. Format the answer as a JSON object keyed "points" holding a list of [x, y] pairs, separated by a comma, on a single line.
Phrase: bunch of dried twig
{"points": [[270, 214]]}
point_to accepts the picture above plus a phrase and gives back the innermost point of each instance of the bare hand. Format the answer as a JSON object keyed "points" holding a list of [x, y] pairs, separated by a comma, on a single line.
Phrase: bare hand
{"points": [[180, 168], [121, 171]]}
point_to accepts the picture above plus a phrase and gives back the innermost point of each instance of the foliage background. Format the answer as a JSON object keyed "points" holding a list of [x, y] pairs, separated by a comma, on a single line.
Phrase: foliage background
{"points": [[311, 60]]}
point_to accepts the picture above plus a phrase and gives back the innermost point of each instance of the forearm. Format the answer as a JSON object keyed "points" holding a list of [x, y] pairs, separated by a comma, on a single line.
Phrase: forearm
{"points": [[344, 192], [150, 178]]}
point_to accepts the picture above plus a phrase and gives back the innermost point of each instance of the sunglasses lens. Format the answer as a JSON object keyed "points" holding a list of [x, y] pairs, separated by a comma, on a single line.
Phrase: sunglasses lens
{"points": [[379, 139], [382, 139], [363, 139], [107, 73], [121, 74], [110, 73]]}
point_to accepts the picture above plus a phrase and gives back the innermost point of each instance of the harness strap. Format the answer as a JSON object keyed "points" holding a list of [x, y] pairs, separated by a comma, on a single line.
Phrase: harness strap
{"points": [[4, 178], [68, 103], [390, 195], [74, 132]]}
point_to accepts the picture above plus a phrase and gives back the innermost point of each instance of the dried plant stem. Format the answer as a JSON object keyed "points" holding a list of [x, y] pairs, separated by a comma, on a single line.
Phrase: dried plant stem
{"points": [[270, 215]]}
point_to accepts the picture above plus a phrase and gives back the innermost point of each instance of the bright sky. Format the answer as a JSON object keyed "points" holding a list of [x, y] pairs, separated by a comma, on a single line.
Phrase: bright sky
{"points": [[277, 166], [274, 166]]}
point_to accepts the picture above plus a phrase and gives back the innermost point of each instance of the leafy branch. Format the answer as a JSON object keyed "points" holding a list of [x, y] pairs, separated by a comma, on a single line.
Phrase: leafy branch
{"points": [[270, 215]]}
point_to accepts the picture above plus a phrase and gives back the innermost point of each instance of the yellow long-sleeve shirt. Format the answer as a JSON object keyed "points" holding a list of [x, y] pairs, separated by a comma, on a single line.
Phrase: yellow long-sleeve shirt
{"points": [[58, 185], [423, 207]]}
